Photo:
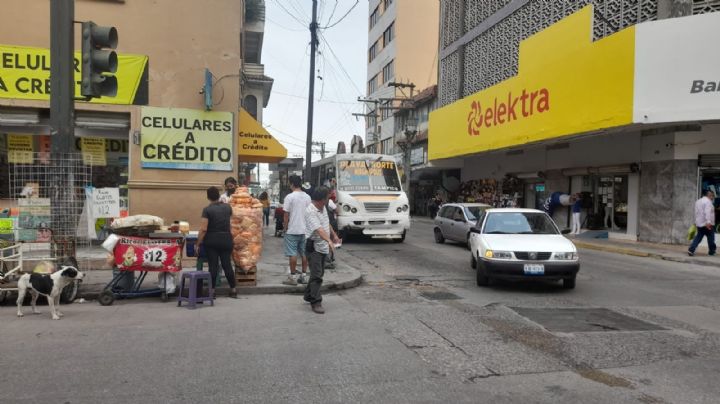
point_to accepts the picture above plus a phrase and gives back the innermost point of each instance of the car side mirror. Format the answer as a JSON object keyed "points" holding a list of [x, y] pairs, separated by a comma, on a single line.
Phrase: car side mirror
{"points": [[474, 230]]}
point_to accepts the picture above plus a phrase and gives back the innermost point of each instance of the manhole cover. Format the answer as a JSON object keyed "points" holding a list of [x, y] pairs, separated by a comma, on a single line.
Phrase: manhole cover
{"points": [[584, 320], [439, 295]]}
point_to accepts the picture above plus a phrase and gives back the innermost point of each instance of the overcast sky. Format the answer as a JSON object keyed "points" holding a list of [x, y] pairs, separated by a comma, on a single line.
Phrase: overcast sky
{"points": [[341, 63]]}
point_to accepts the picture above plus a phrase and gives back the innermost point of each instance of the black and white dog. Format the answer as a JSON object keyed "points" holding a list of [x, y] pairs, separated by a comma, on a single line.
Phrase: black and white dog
{"points": [[48, 285]]}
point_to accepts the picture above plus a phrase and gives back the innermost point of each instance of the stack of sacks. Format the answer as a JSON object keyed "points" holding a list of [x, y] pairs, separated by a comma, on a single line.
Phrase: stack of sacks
{"points": [[246, 226]]}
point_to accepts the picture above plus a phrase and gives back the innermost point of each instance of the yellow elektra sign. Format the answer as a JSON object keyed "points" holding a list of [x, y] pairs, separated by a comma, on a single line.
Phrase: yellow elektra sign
{"points": [[566, 84], [25, 74]]}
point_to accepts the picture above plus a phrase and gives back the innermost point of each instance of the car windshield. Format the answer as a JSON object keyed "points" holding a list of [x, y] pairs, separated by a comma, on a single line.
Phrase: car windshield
{"points": [[519, 223], [473, 212], [361, 175]]}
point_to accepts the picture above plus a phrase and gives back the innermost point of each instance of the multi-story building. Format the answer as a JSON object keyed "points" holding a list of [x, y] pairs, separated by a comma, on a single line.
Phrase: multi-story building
{"points": [[613, 99], [402, 38], [171, 43]]}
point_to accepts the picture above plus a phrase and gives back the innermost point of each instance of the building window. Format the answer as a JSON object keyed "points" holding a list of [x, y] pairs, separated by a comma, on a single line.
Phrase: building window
{"points": [[250, 105], [372, 52], [372, 84], [388, 71], [386, 111], [374, 17], [387, 4], [387, 146], [389, 34]]}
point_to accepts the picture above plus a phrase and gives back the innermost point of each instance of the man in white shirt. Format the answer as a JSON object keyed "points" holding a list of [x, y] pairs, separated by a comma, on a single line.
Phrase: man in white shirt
{"points": [[294, 224], [705, 222], [321, 239]]}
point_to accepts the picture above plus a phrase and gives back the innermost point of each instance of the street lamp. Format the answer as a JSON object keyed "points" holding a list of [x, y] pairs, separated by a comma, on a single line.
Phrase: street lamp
{"points": [[406, 146]]}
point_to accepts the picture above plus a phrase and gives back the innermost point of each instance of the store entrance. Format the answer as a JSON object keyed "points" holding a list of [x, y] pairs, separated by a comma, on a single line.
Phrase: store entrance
{"points": [[535, 195], [612, 201]]}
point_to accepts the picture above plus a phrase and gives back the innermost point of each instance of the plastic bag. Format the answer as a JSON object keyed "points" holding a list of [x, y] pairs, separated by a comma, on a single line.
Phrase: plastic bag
{"points": [[692, 232], [166, 280], [109, 243]]}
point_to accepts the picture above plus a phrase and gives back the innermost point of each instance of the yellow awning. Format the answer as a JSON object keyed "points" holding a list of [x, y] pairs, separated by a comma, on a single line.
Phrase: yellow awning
{"points": [[255, 144]]}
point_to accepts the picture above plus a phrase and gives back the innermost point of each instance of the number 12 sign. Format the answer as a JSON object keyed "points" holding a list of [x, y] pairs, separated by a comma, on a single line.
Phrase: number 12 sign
{"points": [[105, 202]]}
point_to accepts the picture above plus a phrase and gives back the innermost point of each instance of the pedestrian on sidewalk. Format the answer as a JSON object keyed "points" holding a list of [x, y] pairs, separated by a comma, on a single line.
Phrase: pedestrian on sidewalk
{"points": [[331, 209], [296, 202], [265, 200], [321, 239], [705, 222], [215, 238], [576, 210], [230, 187]]}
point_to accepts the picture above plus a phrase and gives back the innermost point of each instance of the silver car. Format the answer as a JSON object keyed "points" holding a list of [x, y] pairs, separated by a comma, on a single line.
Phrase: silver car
{"points": [[454, 221]]}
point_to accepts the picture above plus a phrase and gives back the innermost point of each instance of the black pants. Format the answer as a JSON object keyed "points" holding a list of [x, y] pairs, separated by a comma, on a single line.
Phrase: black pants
{"points": [[219, 245], [317, 270], [266, 216]]}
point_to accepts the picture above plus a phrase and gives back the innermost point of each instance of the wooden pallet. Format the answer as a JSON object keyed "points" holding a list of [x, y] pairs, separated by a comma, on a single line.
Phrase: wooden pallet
{"points": [[246, 280]]}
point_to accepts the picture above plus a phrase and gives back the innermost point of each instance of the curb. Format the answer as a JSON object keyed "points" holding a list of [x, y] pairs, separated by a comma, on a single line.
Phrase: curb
{"points": [[353, 282], [642, 254]]}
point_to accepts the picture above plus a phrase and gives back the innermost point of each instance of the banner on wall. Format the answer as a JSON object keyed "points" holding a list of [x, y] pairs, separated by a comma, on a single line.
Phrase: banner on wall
{"points": [[20, 149], [568, 84], [93, 151], [186, 139], [25, 74]]}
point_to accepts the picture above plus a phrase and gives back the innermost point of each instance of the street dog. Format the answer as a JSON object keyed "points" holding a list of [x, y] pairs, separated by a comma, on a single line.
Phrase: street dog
{"points": [[48, 285]]}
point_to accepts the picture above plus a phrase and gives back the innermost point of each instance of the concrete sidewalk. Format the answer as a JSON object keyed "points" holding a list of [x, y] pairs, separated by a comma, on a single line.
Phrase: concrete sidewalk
{"points": [[667, 252], [272, 271]]}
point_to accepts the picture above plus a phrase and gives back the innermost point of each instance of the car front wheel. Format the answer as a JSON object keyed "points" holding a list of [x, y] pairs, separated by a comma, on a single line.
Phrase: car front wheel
{"points": [[439, 236], [482, 278]]}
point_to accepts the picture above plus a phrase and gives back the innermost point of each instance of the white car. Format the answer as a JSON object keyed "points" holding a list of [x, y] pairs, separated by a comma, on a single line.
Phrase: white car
{"points": [[521, 244]]}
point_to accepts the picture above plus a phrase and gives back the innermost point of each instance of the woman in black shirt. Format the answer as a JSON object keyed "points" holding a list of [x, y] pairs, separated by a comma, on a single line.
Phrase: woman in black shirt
{"points": [[216, 238]]}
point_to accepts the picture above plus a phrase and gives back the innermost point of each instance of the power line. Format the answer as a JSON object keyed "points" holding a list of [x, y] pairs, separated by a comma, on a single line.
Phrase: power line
{"points": [[289, 13], [333, 12], [282, 26], [337, 59], [304, 97], [343, 17]]}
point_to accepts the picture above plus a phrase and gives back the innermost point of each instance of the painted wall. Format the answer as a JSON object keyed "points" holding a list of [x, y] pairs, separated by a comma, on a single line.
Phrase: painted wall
{"points": [[181, 38]]}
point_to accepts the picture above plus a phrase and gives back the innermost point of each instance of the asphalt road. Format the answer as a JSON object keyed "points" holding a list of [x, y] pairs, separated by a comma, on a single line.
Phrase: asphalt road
{"points": [[417, 330]]}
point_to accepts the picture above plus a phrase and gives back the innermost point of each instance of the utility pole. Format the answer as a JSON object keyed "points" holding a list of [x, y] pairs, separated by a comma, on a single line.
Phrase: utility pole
{"points": [[322, 148], [311, 96], [62, 76]]}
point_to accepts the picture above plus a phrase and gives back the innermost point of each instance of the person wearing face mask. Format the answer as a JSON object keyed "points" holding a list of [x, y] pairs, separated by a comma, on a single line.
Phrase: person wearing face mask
{"points": [[230, 187]]}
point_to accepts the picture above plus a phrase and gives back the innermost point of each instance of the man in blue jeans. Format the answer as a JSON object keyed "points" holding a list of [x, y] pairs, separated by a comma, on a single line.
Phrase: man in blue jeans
{"points": [[296, 202], [705, 222]]}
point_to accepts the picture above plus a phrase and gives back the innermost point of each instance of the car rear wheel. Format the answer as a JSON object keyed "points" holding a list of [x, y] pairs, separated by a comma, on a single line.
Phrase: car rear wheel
{"points": [[439, 236], [569, 283], [467, 241], [473, 261], [482, 278]]}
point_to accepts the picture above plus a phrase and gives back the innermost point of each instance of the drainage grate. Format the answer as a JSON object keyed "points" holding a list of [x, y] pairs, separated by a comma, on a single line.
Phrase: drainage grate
{"points": [[584, 320], [440, 295]]}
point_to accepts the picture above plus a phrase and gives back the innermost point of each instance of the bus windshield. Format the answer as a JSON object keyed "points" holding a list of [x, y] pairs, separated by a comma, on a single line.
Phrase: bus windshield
{"points": [[367, 175]]}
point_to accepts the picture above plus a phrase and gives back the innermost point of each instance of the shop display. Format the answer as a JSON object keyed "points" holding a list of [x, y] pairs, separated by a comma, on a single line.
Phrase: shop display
{"points": [[136, 225], [246, 227]]}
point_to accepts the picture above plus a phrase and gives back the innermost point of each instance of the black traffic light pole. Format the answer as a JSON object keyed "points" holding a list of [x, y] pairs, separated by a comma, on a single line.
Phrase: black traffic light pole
{"points": [[62, 82]]}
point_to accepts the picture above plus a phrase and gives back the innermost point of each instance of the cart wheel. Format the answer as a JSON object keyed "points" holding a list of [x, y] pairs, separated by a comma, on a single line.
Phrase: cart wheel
{"points": [[164, 297], [69, 293], [106, 298], [3, 296]]}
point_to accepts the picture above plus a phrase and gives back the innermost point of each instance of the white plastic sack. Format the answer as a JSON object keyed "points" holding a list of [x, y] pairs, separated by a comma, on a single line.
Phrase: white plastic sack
{"points": [[167, 280], [136, 220], [110, 241]]}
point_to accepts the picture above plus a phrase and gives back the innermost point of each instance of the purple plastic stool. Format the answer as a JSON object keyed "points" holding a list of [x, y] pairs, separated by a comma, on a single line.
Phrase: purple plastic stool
{"points": [[193, 298]]}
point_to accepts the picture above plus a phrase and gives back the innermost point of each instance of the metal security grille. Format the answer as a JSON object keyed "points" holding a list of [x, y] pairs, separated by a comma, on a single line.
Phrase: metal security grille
{"points": [[377, 207], [63, 181], [535, 256], [492, 56]]}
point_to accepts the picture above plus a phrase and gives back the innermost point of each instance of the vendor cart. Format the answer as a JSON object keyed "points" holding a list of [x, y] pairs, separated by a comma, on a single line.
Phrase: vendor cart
{"points": [[158, 252]]}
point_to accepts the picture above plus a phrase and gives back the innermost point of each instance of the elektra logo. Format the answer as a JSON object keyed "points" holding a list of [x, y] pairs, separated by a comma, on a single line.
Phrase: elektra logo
{"points": [[501, 112], [702, 86]]}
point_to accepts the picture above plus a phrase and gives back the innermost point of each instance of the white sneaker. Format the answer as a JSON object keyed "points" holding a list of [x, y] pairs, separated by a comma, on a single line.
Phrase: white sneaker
{"points": [[291, 280]]}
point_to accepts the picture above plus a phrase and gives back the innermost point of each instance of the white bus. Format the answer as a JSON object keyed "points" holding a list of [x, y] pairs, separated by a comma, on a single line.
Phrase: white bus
{"points": [[370, 198]]}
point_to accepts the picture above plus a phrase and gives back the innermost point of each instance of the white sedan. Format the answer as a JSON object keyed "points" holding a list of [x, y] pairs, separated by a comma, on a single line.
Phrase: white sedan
{"points": [[521, 244]]}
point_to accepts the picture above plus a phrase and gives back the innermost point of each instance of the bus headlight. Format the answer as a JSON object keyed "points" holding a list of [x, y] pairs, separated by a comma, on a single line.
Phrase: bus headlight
{"points": [[354, 210], [405, 208], [399, 209], [346, 208]]}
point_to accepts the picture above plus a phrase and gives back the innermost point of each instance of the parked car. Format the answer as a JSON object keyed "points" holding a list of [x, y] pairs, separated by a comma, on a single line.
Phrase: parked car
{"points": [[521, 244], [454, 221]]}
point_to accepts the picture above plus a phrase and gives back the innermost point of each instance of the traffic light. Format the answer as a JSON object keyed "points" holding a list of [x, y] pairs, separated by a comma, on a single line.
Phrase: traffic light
{"points": [[99, 61]]}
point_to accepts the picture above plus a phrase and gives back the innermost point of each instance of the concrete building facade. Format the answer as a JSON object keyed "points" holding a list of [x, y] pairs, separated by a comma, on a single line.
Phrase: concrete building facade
{"points": [[402, 38], [639, 179]]}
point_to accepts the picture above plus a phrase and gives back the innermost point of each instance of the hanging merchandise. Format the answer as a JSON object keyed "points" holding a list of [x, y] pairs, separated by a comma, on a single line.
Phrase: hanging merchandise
{"points": [[246, 226]]}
